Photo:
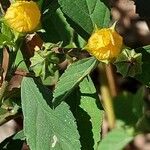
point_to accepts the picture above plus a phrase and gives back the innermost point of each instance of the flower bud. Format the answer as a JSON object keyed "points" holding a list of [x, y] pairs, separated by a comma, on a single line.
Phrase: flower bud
{"points": [[105, 44], [23, 16]]}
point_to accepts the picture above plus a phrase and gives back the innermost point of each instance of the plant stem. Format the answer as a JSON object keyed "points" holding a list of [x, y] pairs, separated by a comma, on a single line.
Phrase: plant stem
{"points": [[106, 97], [111, 80], [9, 116], [3, 90]]}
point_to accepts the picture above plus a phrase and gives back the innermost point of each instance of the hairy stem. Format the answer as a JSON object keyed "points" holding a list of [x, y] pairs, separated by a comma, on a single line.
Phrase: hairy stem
{"points": [[106, 97], [111, 80], [9, 116], [3, 90]]}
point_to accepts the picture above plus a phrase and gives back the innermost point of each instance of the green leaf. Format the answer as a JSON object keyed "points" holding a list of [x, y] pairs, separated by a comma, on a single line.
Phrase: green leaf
{"points": [[131, 105], [123, 103], [6, 36], [6, 115], [2, 111], [88, 103], [116, 139], [86, 14], [44, 62], [4, 40], [79, 41], [145, 48], [51, 80], [143, 124], [19, 61], [144, 77], [86, 108], [44, 127], [57, 29], [40, 3], [138, 102], [129, 63], [49, 7], [73, 75], [7, 32], [20, 135]]}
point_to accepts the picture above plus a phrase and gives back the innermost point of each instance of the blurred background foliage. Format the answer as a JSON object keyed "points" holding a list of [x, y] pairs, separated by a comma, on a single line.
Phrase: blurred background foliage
{"points": [[134, 25]]}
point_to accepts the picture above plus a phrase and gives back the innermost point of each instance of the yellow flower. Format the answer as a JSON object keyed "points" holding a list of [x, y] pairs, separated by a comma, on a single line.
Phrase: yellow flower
{"points": [[23, 16], [105, 44]]}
